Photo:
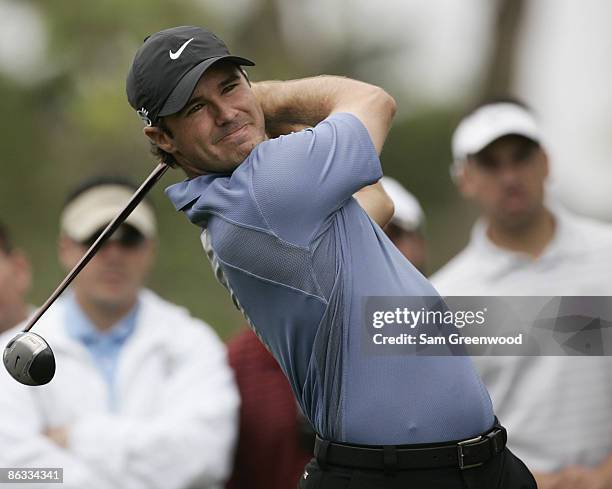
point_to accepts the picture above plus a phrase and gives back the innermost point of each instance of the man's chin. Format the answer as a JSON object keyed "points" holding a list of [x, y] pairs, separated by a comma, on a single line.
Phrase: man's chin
{"points": [[517, 220], [242, 153], [111, 299]]}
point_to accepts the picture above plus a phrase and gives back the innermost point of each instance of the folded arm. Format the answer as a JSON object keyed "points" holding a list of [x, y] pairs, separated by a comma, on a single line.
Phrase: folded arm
{"points": [[578, 477], [24, 441], [190, 439]]}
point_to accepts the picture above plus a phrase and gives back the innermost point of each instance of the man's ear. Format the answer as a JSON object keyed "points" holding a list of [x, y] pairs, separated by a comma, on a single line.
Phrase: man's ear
{"points": [[544, 161], [66, 253], [160, 138], [464, 179], [22, 271]]}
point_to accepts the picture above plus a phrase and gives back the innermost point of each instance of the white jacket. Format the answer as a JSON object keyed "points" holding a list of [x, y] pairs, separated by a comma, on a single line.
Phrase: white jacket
{"points": [[176, 417]]}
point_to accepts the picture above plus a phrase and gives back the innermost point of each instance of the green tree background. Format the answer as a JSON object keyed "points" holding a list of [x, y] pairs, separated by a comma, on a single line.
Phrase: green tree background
{"points": [[77, 123]]}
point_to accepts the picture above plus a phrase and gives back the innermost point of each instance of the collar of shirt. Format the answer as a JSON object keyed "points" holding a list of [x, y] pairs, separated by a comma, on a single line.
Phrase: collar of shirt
{"points": [[183, 193], [562, 243], [82, 329]]}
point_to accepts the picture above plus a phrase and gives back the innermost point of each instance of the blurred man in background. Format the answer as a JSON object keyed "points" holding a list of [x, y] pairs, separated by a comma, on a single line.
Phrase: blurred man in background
{"points": [[143, 395], [15, 281], [558, 409], [405, 228]]}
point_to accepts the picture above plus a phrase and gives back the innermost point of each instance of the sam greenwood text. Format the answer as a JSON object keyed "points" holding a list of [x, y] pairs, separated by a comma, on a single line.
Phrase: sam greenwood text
{"points": [[452, 339]]}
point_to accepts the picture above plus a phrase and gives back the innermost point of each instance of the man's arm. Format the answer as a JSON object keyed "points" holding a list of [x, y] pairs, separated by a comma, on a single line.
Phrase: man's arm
{"points": [[25, 440], [378, 205], [373, 199], [294, 104]]}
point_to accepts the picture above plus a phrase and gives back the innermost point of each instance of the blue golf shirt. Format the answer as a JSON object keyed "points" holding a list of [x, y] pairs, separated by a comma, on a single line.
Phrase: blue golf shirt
{"points": [[298, 256]]}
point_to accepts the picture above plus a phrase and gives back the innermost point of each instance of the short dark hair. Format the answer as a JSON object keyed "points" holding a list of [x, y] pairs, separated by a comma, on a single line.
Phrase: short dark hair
{"points": [[99, 181], [6, 245]]}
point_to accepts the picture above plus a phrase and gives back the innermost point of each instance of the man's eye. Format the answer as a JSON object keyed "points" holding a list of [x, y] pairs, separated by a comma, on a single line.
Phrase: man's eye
{"points": [[195, 108], [229, 88], [486, 163], [523, 154]]}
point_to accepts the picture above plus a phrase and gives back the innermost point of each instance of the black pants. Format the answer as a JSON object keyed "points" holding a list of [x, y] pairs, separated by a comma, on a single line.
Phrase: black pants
{"points": [[505, 471]]}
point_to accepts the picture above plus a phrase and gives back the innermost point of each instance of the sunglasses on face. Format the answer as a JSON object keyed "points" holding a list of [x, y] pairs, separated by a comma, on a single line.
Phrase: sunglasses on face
{"points": [[520, 156], [126, 236]]}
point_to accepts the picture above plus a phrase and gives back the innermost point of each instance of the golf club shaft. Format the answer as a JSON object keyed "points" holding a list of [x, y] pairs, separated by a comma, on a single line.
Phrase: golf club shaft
{"points": [[107, 233]]}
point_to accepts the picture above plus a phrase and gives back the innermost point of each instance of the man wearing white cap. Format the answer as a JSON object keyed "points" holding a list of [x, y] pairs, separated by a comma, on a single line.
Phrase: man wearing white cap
{"points": [[143, 395], [558, 409], [405, 228]]}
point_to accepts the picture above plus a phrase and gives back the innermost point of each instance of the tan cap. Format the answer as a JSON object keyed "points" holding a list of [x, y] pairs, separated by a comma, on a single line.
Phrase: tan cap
{"points": [[96, 207]]}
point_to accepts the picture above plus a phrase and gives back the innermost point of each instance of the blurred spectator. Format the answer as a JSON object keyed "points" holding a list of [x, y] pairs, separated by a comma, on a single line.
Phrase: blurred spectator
{"points": [[143, 395], [272, 427], [14, 282], [558, 410], [405, 228]]}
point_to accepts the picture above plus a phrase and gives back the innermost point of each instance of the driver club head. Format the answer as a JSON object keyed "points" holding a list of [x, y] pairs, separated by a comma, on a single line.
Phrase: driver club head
{"points": [[29, 359]]}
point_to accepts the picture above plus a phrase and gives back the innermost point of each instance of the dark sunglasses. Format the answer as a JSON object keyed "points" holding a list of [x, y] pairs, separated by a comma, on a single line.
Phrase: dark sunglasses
{"points": [[520, 156], [126, 236]]}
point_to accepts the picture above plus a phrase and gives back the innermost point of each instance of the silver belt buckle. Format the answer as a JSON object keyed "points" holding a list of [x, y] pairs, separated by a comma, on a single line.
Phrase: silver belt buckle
{"points": [[460, 454]]}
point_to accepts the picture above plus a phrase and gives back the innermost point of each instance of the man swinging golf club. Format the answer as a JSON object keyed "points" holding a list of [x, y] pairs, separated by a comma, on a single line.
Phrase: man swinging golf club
{"points": [[298, 254]]}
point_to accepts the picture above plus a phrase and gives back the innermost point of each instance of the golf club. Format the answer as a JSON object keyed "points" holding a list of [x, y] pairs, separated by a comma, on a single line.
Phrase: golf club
{"points": [[28, 357]]}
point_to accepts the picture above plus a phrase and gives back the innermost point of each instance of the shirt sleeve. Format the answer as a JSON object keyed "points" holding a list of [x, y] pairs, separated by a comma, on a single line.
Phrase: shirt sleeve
{"points": [[299, 180]]}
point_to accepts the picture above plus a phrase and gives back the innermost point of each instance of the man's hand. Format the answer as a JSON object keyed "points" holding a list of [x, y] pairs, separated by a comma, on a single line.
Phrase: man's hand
{"points": [[58, 435], [546, 480], [577, 477]]}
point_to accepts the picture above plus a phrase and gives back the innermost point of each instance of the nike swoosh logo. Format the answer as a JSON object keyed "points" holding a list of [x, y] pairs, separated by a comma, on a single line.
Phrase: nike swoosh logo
{"points": [[180, 50]]}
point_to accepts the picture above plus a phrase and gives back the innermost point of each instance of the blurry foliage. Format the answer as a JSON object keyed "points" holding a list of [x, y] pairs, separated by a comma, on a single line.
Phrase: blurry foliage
{"points": [[78, 123]]}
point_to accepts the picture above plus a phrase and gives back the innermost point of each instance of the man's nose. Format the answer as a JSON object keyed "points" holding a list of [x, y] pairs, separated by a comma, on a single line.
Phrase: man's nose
{"points": [[508, 171], [112, 249], [224, 113]]}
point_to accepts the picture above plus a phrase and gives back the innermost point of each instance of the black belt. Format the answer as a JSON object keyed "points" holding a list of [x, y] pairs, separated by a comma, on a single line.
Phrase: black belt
{"points": [[462, 454]]}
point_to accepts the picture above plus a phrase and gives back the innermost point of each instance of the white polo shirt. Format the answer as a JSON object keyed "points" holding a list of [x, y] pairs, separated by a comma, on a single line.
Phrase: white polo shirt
{"points": [[558, 410]]}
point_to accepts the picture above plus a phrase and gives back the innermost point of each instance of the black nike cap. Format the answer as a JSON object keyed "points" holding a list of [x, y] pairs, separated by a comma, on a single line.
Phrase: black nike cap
{"points": [[168, 66]]}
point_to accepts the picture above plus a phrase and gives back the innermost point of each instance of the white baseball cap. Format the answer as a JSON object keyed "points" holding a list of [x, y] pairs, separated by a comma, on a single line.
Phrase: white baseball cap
{"points": [[488, 123], [408, 213], [96, 207]]}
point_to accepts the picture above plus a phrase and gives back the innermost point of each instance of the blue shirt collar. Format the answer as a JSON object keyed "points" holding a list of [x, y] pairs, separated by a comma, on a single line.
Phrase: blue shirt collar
{"points": [[183, 193], [82, 329]]}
